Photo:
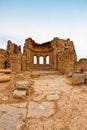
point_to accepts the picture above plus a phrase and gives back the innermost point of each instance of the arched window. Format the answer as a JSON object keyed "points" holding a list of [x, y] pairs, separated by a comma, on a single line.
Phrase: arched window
{"points": [[47, 60], [35, 59], [41, 60]]}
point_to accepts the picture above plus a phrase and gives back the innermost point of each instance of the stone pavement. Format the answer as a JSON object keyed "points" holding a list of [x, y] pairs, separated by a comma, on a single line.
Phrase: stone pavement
{"points": [[54, 105]]}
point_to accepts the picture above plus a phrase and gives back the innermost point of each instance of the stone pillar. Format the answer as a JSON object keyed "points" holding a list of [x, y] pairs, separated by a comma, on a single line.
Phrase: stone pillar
{"points": [[38, 60], [45, 60]]}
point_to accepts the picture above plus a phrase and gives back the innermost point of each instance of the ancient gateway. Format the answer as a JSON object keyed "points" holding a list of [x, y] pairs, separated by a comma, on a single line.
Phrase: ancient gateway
{"points": [[55, 55]]}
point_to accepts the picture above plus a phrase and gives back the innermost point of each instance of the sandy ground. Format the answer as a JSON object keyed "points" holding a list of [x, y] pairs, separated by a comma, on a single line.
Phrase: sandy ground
{"points": [[52, 103]]}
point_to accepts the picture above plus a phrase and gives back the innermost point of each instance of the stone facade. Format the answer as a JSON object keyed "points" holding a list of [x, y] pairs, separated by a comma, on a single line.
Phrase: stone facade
{"points": [[55, 55]]}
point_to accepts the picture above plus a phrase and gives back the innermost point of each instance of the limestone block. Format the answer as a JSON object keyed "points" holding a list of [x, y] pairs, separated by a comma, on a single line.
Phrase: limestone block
{"points": [[12, 116], [78, 79], [22, 85], [52, 97], [21, 94], [36, 110], [38, 98]]}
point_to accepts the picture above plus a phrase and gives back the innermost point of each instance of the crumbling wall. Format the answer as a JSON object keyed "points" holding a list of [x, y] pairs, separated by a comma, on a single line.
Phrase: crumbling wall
{"points": [[15, 62], [81, 66], [65, 55], [14, 56], [61, 53], [13, 48], [3, 59], [32, 49]]}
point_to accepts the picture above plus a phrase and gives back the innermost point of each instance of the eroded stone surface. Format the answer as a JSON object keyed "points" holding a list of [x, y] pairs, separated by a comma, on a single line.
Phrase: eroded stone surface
{"points": [[51, 86], [78, 79], [19, 93], [38, 97], [45, 109], [53, 97], [68, 112], [11, 116], [21, 85]]}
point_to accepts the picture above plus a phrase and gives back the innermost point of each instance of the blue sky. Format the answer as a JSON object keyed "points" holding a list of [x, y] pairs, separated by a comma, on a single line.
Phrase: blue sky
{"points": [[44, 19]]}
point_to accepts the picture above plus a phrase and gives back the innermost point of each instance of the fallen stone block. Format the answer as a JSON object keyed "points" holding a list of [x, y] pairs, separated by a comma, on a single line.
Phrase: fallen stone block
{"points": [[78, 79], [21, 94], [5, 78], [22, 85]]}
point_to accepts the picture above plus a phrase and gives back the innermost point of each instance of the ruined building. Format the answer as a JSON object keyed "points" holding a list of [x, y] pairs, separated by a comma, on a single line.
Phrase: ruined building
{"points": [[56, 55]]}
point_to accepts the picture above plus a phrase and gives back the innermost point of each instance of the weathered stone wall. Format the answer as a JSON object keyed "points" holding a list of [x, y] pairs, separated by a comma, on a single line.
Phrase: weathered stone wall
{"points": [[81, 66], [15, 62], [31, 50], [61, 53], [65, 55], [12, 48], [3, 59], [55, 55], [14, 56]]}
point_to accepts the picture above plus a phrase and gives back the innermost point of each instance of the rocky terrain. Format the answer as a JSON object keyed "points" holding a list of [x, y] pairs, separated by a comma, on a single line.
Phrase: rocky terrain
{"points": [[49, 102]]}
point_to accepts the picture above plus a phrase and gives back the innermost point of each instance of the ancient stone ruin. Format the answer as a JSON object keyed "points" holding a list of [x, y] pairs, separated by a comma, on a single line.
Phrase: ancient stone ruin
{"points": [[42, 88], [55, 55]]}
